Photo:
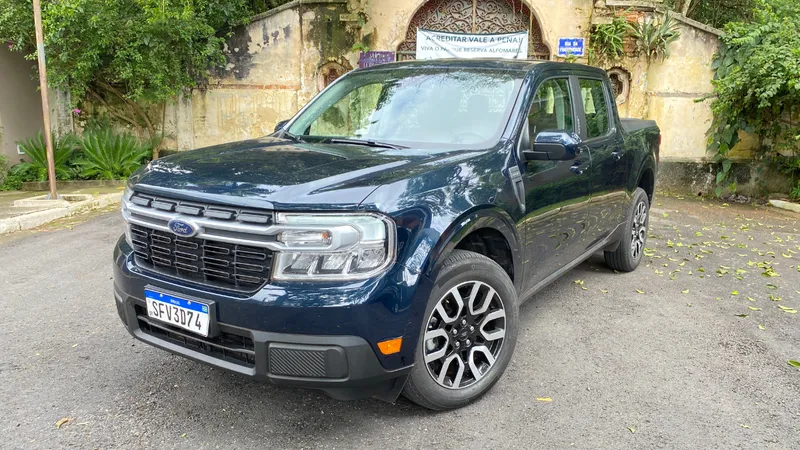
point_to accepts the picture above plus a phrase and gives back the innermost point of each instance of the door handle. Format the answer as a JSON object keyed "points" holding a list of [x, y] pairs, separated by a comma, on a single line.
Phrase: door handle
{"points": [[616, 155], [576, 169]]}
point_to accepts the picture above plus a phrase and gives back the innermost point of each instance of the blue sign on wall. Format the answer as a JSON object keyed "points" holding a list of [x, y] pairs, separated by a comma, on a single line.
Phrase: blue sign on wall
{"points": [[571, 46], [373, 58]]}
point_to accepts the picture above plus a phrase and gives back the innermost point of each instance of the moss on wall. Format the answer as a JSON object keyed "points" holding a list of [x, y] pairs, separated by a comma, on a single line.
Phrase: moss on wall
{"points": [[327, 32]]}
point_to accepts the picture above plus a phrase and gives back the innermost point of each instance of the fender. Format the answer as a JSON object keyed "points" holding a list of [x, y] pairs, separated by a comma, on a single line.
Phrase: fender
{"points": [[491, 217]]}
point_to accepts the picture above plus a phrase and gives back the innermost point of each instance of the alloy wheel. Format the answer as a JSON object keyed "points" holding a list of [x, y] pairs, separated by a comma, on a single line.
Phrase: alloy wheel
{"points": [[639, 229], [464, 335]]}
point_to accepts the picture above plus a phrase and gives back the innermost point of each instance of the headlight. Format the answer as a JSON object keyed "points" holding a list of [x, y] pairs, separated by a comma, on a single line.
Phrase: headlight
{"points": [[333, 246], [126, 196]]}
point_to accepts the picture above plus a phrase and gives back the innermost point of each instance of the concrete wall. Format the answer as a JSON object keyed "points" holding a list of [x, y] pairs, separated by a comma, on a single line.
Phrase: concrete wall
{"points": [[20, 103], [271, 73], [673, 86]]}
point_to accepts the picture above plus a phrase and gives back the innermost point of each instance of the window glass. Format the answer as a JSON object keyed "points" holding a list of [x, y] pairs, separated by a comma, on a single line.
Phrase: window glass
{"points": [[552, 108], [433, 107], [595, 107]]}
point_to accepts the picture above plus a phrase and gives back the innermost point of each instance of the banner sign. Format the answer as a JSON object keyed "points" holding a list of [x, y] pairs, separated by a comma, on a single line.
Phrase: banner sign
{"points": [[437, 44], [372, 58], [571, 46]]}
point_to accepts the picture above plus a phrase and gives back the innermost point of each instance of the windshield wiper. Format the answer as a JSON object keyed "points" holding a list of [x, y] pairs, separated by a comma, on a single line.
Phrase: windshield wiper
{"points": [[365, 142], [292, 136]]}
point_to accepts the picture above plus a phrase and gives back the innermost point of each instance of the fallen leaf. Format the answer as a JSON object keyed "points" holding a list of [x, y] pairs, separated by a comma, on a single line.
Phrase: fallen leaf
{"points": [[578, 282], [632, 429], [744, 426], [63, 421], [183, 435], [664, 215], [604, 291], [741, 315], [640, 291], [762, 327], [544, 399], [685, 291], [788, 309], [74, 345], [734, 292], [753, 308], [794, 363]]}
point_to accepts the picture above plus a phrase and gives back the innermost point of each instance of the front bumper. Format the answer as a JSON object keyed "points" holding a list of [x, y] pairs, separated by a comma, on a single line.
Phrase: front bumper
{"points": [[340, 358]]}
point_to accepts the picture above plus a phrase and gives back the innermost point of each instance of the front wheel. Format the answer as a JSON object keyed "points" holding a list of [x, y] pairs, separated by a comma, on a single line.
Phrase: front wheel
{"points": [[468, 336], [629, 253]]}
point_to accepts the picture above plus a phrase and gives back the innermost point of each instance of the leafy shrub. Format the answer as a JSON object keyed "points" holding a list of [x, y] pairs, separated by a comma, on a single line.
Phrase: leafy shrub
{"points": [[757, 84], [17, 175], [653, 37], [607, 39], [110, 156], [35, 149]]}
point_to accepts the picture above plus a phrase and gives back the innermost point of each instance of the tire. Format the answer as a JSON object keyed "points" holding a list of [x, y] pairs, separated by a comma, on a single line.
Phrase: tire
{"points": [[474, 277], [628, 255]]}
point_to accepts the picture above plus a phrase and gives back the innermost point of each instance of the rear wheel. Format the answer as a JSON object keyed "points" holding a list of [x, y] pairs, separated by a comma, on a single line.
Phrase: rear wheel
{"points": [[629, 253], [468, 336]]}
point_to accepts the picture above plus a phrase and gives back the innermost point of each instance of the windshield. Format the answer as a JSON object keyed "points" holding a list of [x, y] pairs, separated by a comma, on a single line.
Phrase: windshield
{"points": [[414, 107]]}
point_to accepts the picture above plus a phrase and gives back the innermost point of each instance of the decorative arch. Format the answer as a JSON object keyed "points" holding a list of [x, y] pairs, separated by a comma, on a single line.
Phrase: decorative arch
{"points": [[475, 16]]}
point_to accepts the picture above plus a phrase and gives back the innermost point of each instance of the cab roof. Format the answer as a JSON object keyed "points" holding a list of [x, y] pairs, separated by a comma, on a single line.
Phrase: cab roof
{"points": [[522, 65]]}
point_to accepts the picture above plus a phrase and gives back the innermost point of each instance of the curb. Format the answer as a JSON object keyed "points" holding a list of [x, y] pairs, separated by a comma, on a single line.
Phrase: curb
{"points": [[789, 206], [35, 219]]}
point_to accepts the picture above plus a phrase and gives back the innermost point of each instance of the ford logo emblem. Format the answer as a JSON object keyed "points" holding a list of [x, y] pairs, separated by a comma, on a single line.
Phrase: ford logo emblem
{"points": [[182, 228]]}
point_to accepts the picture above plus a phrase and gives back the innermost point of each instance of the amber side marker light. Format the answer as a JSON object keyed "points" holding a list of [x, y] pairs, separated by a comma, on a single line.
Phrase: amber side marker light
{"points": [[391, 346]]}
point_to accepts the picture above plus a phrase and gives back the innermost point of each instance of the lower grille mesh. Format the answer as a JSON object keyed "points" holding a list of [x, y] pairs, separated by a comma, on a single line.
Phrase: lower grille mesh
{"points": [[230, 266], [297, 363]]}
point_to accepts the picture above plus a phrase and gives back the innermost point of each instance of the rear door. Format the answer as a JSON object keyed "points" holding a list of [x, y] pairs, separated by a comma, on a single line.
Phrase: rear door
{"points": [[556, 192], [598, 129]]}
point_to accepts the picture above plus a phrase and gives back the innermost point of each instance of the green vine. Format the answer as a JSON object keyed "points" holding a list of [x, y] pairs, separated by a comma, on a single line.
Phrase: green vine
{"points": [[757, 87]]}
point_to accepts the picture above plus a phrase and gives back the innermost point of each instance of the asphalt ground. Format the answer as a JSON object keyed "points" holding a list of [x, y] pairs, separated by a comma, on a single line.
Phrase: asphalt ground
{"points": [[689, 351]]}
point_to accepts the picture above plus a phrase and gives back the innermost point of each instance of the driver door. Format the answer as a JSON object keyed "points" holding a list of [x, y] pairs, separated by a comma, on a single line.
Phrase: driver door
{"points": [[557, 192]]}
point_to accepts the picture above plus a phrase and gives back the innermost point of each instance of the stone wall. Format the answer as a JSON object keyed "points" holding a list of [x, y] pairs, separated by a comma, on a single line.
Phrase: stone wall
{"points": [[275, 64], [271, 73]]}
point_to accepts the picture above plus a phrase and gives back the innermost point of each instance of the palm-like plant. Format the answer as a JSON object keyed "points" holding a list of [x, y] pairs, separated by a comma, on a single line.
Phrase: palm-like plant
{"points": [[109, 156], [653, 37], [36, 150]]}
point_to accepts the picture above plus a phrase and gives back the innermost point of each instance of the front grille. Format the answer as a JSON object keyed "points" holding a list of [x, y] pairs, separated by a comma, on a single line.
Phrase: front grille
{"points": [[223, 213], [228, 266], [229, 347]]}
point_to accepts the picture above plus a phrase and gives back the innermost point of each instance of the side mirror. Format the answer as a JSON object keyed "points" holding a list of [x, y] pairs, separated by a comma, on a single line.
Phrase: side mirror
{"points": [[279, 126], [553, 146]]}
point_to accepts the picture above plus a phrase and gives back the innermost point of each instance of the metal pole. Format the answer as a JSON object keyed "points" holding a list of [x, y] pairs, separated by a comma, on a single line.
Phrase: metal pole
{"points": [[48, 136]]}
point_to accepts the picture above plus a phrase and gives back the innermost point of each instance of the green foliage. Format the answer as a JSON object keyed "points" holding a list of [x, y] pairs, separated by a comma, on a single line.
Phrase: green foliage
{"points": [[757, 83], [127, 55], [35, 149], [654, 36], [716, 13], [607, 39], [109, 156], [17, 175]]}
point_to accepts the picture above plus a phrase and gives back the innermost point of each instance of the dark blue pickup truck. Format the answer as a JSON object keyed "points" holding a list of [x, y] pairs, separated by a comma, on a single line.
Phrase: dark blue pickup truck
{"points": [[381, 241]]}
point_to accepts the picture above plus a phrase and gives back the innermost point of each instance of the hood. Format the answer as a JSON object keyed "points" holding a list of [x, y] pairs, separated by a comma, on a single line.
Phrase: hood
{"points": [[276, 173]]}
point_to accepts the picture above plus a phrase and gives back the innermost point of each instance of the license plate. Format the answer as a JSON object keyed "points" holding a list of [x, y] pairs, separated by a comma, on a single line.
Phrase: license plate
{"points": [[186, 314]]}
